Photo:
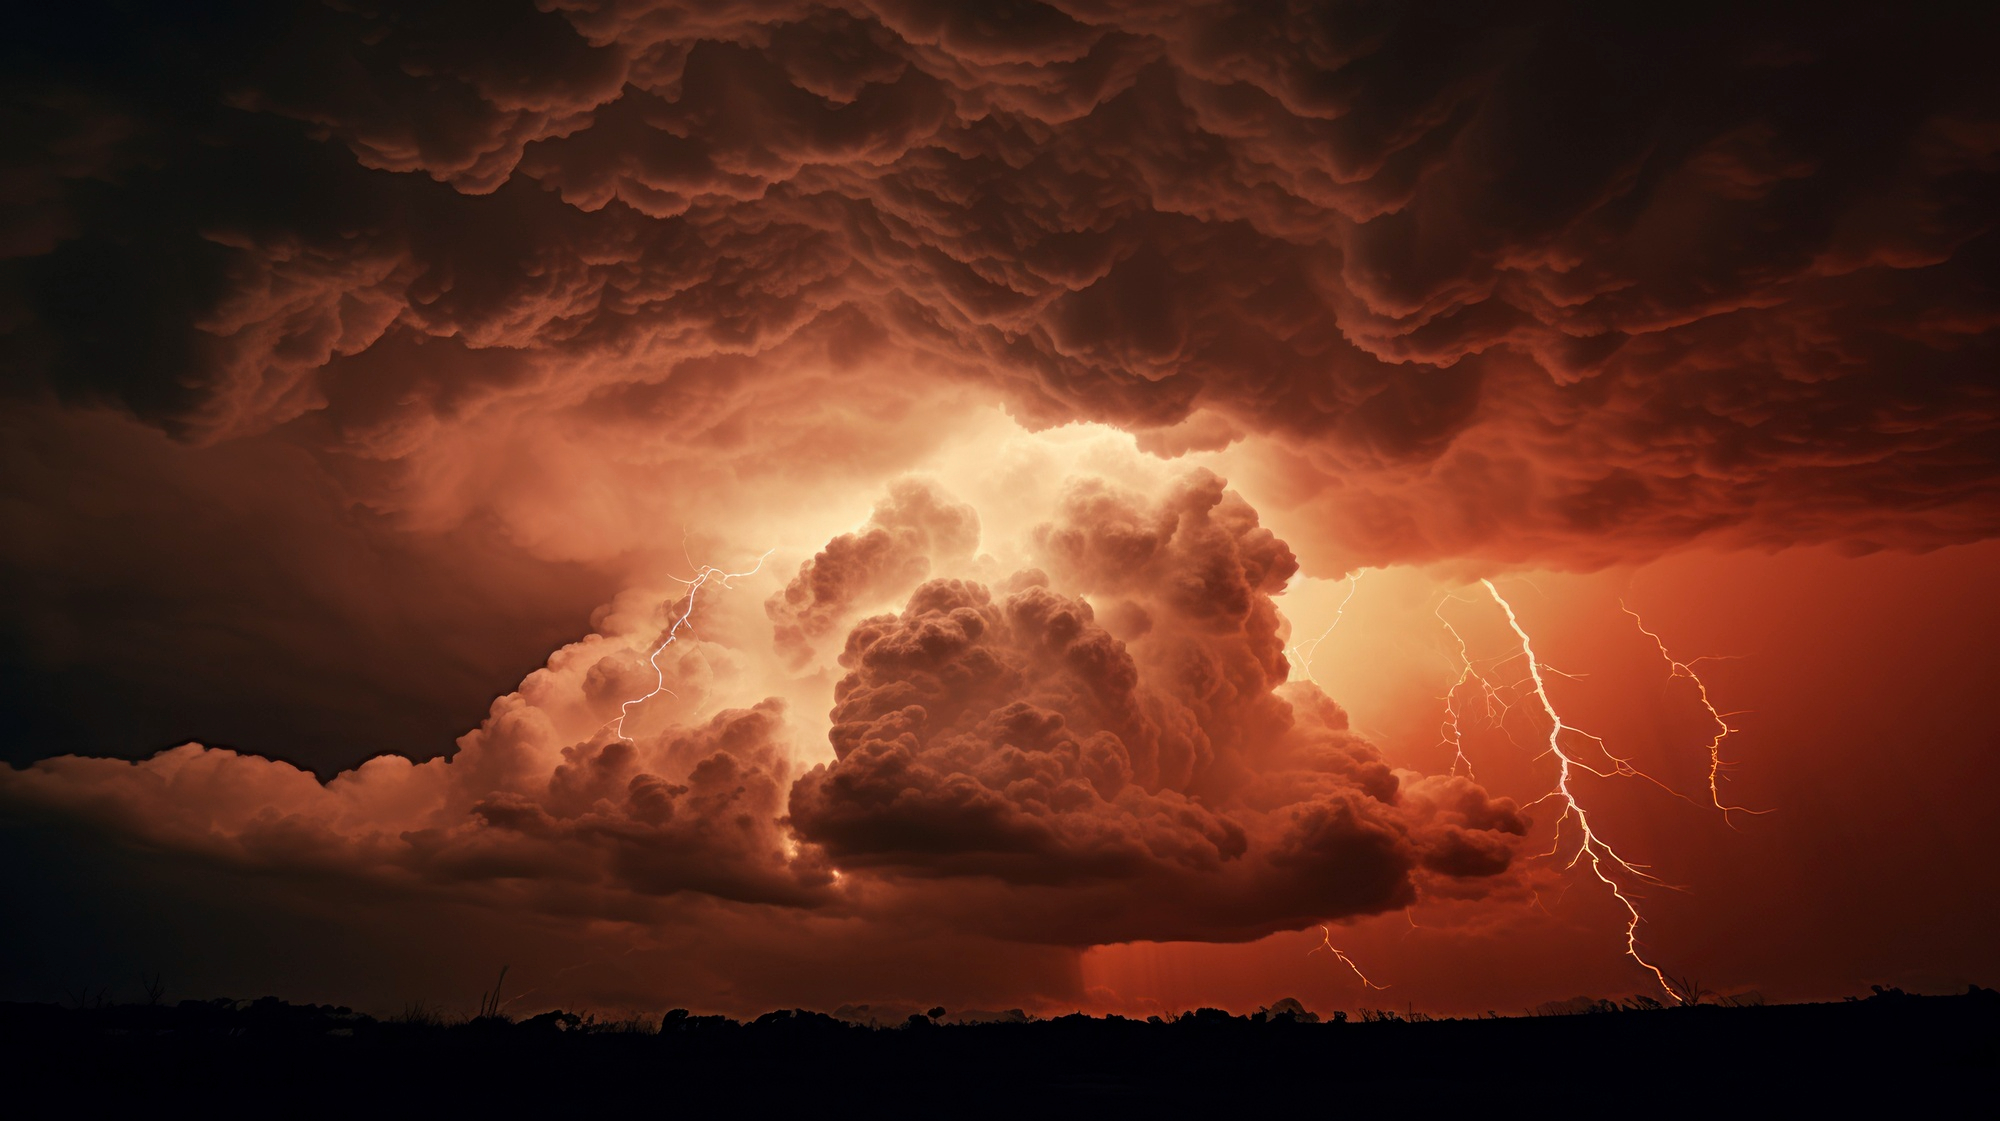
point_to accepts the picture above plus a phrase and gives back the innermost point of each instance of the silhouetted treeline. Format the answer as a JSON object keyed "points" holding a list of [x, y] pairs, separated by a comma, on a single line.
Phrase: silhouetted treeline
{"points": [[269, 1056]]}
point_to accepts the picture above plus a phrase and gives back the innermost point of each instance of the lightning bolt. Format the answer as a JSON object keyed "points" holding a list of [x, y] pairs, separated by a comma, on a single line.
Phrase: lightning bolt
{"points": [[1678, 669], [1303, 655], [702, 576], [1496, 699], [1326, 943], [1305, 660], [1591, 846], [1466, 675]]}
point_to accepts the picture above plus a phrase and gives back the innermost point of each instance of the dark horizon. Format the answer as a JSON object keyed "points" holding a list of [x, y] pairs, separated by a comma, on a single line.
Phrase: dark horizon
{"points": [[1891, 1048]]}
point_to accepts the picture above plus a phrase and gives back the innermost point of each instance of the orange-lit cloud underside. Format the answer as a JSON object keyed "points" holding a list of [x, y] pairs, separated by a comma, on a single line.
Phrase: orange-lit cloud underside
{"points": [[949, 428]]}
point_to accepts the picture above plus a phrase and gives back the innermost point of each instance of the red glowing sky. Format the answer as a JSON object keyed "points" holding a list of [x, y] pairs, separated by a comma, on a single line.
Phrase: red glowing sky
{"points": [[378, 381]]}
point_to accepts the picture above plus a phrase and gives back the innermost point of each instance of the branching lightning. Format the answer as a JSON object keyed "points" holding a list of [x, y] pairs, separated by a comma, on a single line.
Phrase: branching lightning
{"points": [[1326, 943], [1600, 854], [1499, 700], [1450, 730], [702, 576], [1677, 668], [1492, 689]]}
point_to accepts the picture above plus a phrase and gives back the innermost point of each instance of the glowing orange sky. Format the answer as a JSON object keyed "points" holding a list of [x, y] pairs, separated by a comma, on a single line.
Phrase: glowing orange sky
{"points": [[1864, 735], [379, 384]]}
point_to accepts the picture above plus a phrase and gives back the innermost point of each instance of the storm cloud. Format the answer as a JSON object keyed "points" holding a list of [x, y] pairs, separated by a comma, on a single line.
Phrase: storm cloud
{"points": [[1539, 282], [356, 356]]}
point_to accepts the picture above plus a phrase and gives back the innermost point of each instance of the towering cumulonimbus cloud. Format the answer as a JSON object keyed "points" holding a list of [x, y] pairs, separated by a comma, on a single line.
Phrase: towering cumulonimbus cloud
{"points": [[1003, 762], [1538, 282], [1157, 786]]}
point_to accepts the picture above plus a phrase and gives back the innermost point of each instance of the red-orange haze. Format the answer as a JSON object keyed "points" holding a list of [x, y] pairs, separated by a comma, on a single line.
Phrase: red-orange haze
{"points": [[1009, 505]]}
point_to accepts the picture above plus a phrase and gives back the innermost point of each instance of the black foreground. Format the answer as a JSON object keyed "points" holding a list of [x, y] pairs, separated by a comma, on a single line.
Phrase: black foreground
{"points": [[270, 1058]]}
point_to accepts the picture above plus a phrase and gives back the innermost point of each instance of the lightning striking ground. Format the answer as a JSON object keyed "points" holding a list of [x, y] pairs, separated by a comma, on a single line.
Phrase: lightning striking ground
{"points": [[702, 576], [1600, 854], [1498, 698]]}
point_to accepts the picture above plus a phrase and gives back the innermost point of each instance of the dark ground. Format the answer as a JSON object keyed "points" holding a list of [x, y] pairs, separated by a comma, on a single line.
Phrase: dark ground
{"points": [[268, 1058]]}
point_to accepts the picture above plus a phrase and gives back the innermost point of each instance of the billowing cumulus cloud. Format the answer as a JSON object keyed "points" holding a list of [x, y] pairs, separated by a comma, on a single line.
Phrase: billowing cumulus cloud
{"points": [[590, 826], [1012, 737], [1002, 761], [885, 558]]}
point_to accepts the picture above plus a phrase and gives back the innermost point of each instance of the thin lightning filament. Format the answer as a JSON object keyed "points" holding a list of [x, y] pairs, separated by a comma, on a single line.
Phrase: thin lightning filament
{"points": [[1326, 943], [1303, 652], [1679, 669], [1451, 729], [700, 579]]}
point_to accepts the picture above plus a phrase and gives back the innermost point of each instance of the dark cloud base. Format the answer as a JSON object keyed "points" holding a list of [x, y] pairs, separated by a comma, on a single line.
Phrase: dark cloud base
{"points": [[1543, 282]]}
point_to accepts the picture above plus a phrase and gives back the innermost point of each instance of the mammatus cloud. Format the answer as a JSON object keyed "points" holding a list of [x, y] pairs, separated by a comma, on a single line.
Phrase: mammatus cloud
{"points": [[1001, 759], [1552, 284]]}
